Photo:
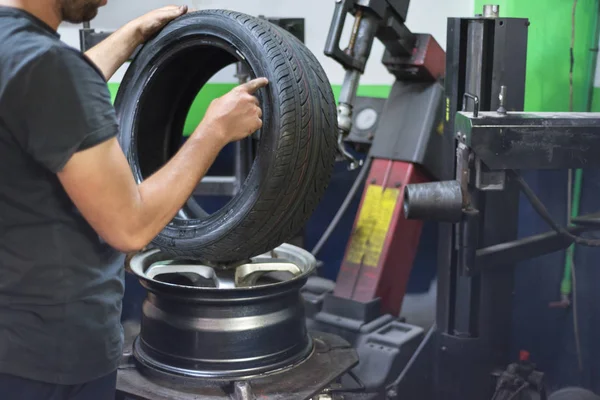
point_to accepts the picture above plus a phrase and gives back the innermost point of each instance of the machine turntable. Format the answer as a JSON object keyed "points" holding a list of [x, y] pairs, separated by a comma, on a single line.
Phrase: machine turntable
{"points": [[229, 332]]}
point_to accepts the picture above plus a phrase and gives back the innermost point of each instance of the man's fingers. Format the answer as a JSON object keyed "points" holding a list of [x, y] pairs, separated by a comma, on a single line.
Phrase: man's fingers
{"points": [[179, 11], [255, 84], [171, 12]]}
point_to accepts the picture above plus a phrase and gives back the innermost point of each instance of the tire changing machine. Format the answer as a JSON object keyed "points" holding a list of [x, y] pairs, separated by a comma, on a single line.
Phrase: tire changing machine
{"points": [[364, 303], [464, 354], [460, 174]]}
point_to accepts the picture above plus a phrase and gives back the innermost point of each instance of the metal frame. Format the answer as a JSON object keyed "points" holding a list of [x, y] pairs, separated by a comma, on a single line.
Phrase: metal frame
{"points": [[531, 140], [474, 312], [479, 251], [537, 141], [493, 142], [486, 57]]}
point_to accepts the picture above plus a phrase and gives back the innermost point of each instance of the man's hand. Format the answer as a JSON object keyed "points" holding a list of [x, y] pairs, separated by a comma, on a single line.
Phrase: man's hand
{"points": [[128, 216], [236, 115], [149, 24], [112, 52]]}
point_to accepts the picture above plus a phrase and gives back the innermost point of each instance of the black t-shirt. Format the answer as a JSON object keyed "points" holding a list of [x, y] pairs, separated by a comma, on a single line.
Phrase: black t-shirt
{"points": [[61, 286]]}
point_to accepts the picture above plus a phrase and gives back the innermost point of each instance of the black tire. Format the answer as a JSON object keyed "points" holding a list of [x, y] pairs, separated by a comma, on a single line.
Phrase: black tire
{"points": [[573, 393], [296, 151]]}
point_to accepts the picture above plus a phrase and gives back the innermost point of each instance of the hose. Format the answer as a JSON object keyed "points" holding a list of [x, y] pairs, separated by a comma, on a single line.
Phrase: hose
{"points": [[426, 339], [362, 176], [539, 207], [566, 286]]}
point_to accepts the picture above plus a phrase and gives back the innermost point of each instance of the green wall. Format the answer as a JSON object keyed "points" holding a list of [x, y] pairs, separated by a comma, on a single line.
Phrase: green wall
{"points": [[548, 60], [214, 90]]}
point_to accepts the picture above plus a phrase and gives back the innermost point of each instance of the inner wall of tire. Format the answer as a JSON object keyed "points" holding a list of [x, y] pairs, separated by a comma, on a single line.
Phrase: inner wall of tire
{"points": [[174, 82]]}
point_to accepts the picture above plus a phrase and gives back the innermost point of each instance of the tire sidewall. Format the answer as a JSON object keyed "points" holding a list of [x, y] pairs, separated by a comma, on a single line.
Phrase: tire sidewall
{"points": [[192, 27]]}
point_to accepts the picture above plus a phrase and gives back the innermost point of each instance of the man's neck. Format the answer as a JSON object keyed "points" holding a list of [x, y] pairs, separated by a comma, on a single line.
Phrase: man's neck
{"points": [[46, 10]]}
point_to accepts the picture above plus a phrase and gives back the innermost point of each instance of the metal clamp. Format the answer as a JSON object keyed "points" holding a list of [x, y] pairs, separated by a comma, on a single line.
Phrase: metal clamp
{"points": [[345, 155], [332, 45]]}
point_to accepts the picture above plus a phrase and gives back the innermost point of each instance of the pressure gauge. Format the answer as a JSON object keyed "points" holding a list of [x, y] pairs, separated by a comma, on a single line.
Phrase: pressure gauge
{"points": [[366, 119]]}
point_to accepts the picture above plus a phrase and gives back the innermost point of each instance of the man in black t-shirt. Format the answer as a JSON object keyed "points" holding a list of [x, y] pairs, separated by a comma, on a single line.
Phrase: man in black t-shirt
{"points": [[69, 205]]}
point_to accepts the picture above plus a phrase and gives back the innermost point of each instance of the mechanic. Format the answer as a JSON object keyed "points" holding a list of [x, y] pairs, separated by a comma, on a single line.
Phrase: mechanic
{"points": [[70, 208]]}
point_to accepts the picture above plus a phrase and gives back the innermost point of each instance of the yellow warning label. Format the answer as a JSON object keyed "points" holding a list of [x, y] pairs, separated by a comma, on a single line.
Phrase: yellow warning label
{"points": [[440, 129], [368, 238]]}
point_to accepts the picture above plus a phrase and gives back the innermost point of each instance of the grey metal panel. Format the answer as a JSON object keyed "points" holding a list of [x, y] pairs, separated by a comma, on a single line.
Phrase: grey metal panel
{"points": [[408, 129]]}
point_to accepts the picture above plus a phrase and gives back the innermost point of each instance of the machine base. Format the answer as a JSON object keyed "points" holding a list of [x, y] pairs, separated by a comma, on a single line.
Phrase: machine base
{"points": [[332, 358], [384, 343]]}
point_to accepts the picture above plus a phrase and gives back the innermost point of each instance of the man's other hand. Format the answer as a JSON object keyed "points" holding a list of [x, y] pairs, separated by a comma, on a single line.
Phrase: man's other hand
{"points": [[112, 52], [236, 115], [149, 24]]}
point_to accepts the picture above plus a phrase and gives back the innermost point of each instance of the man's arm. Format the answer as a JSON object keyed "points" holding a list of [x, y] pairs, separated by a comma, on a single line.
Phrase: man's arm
{"points": [[116, 49], [128, 216]]}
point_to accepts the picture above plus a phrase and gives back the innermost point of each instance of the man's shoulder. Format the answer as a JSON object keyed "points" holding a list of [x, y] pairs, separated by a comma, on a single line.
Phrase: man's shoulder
{"points": [[25, 49], [32, 68], [22, 41], [37, 51]]}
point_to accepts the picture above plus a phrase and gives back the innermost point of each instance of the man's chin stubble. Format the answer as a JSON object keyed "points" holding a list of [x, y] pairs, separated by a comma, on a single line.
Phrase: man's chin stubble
{"points": [[84, 16]]}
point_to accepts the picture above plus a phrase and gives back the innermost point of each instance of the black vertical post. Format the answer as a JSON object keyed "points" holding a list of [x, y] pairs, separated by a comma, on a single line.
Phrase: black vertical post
{"points": [[474, 312]]}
